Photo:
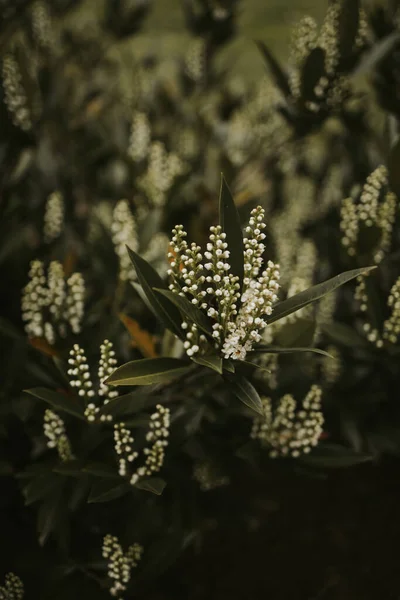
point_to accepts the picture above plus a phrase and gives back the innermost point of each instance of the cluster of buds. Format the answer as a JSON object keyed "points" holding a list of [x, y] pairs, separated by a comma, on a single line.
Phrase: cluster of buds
{"points": [[123, 232], [240, 138], [331, 369], [13, 588], [120, 563], [53, 217], [79, 378], [14, 93], [154, 453], [51, 305], [195, 62], [289, 430], [391, 326], [304, 36], [187, 143], [375, 206], [42, 25], [54, 430], [208, 477], [162, 170], [237, 316], [140, 137]]}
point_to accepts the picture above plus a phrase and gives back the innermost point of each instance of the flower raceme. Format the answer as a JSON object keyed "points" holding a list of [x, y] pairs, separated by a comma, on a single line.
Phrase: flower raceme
{"points": [[206, 280]]}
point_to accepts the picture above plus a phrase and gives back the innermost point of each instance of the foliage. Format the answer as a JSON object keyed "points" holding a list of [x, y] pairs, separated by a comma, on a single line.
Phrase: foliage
{"points": [[272, 334]]}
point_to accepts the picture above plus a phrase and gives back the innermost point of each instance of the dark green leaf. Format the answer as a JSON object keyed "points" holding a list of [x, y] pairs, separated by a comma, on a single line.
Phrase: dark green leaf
{"points": [[344, 335], [71, 468], [100, 470], [378, 52], [148, 370], [189, 310], [155, 485], [294, 303], [230, 223], [150, 279], [334, 456], [348, 26], [312, 71], [279, 76], [394, 168], [105, 491], [228, 365], [212, 361], [244, 391], [277, 350], [59, 401], [300, 333], [131, 403], [40, 487]]}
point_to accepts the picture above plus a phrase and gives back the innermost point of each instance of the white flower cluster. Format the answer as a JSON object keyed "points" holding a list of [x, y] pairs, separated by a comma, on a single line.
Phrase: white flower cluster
{"points": [[195, 62], [208, 284], [209, 477], [123, 231], [120, 563], [289, 430], [391, 327], [14, 94], [54, 430], [52, 305], [140, 137], [331, 369], [53, 217], [154, 454], [80, 378], [42, 25], [303, 40], [162, 170], [13, 588], [375, 206]]}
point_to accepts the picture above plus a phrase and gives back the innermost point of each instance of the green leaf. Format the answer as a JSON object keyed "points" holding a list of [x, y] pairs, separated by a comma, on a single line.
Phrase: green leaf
{"points": [[348, 26], [378, 52], [100, 470], [155, 485], [344, 335], [228, 365], [71, 468], [300, 333], [40, 487], [279, 76], [230, 222], [394, 168], [105, 491], [312, 71], [189, 310], [59, 401], [294, 303], [131, 403], [244, 391], [334, 456], [148, 370], [149, 279], [277, 350], [212, 361]]}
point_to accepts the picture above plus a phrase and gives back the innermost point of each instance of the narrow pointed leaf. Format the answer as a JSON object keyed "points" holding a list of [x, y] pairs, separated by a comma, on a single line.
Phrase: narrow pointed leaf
{"points": [[279, 76], [59, 401], [228, 366], [131, 403], [294, 303], [189, 310], [277, 350], [344, 335], [147, 371], [155, 485], [245, 392], [105, 491], [230, 223], [149, 279], [335, 456], [378, 52], [300, 333], [212, 361]]}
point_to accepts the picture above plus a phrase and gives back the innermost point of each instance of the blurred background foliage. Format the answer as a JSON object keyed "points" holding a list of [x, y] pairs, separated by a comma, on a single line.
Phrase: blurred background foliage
{"points": [[117, 118]]}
